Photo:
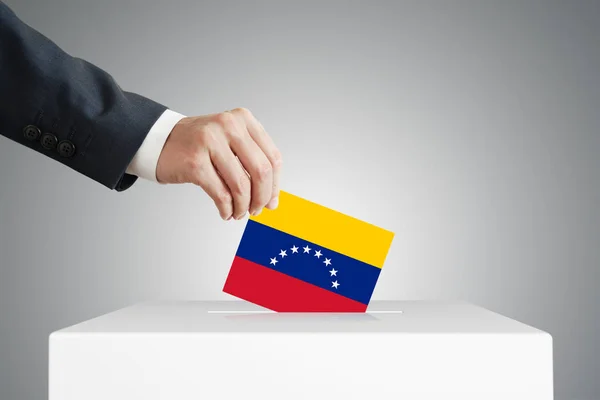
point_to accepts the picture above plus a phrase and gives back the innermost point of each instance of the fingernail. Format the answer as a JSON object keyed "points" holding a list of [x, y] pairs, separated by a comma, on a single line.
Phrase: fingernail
{"points": [[229, 218], [274, 203], [256, 212]]}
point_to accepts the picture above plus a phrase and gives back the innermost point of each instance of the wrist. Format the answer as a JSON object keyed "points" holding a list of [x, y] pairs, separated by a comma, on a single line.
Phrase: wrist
{"points": [[145, 162]]}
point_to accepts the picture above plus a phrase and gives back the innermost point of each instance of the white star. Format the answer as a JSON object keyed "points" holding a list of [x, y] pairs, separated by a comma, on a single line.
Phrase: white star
{"points": [[307, 249], [327, 261], [294, 249], [333, 272], [318, 253], [335, 284], [282, 253], [273, 261]]}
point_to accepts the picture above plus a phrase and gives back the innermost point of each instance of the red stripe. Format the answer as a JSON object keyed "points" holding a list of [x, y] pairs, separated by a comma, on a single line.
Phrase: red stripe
{"points": [[282, 293]]}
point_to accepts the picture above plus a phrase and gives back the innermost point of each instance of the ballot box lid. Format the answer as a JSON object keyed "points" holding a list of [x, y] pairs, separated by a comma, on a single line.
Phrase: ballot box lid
{"points": [[239, 316]]}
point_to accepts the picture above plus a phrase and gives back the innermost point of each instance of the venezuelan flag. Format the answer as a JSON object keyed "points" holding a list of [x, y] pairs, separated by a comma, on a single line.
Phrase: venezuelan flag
{"points": [[303, 257]]}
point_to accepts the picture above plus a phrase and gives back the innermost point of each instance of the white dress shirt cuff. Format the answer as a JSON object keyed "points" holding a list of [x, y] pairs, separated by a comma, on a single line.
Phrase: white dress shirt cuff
{"points": [[145, 160]]}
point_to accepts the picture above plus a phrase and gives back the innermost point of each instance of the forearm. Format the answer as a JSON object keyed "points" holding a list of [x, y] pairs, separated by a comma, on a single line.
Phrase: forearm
{"points": [[74, 104]]}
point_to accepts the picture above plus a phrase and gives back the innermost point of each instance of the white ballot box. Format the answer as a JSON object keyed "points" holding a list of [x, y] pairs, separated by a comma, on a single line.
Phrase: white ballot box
{"points": [[232, 350]]}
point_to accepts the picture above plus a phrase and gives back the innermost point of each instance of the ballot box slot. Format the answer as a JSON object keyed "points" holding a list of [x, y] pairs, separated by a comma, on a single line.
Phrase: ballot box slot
{"points": [[274, 312]]}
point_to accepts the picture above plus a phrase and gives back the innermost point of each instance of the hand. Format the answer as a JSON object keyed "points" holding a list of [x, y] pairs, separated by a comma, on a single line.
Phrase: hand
{"points": [[230, 156]]}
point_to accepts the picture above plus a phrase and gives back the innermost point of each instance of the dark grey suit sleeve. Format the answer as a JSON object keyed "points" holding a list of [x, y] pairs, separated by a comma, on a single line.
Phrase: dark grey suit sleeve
{"points": [[68, 109]]}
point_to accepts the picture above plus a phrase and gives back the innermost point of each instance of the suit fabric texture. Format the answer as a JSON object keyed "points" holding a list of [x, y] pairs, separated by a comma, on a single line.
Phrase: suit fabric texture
{"points": [[68, 109]]}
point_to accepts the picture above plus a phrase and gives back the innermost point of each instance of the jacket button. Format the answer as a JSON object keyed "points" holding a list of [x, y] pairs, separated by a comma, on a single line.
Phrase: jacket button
{"points": [[66, 149], [49, 141], [31, 132]]}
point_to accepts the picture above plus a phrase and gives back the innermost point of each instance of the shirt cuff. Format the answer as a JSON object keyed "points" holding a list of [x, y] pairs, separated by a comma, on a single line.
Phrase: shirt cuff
{"points": [[145, 160]]}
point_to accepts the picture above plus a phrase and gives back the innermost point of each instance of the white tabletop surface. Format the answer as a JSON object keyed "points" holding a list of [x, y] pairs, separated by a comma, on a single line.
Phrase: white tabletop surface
{"points": [[239, 316]]}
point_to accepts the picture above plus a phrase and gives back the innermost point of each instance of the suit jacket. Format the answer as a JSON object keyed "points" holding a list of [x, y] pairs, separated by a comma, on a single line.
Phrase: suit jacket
{"points": [[68, 109]]}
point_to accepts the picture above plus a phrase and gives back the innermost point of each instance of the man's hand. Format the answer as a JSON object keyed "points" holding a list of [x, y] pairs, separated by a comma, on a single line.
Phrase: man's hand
{"points": [[230, 156]]}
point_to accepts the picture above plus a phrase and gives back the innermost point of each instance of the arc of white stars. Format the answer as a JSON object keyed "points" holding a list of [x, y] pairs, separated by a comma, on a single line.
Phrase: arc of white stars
{"points": [[318, 254]]}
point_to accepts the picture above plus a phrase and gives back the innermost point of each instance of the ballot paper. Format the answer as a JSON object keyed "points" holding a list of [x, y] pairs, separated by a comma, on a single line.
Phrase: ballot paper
{"points": [[304, 257]]}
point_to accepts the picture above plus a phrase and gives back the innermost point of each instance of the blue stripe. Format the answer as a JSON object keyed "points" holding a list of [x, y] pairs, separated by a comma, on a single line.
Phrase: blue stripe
{"points": [[261, 243]]}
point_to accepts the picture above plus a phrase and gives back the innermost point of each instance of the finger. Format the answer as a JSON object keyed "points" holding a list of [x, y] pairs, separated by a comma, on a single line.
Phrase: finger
{"points": [[234, 177], [256, 163], [265, 142], [273, 203], [212, 183]]}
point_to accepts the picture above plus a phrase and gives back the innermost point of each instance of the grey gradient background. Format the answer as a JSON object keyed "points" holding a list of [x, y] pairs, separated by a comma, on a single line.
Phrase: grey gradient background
{"points": [[469, 128]]}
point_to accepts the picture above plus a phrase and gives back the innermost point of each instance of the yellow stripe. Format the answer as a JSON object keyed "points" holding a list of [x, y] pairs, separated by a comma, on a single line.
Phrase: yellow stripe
{"points": [[328, 228]]}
